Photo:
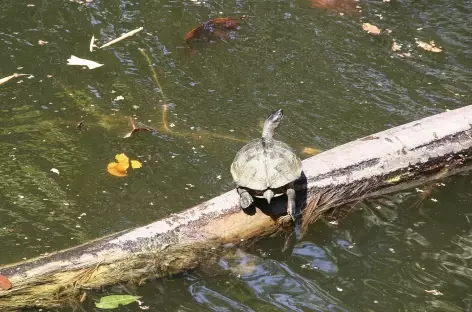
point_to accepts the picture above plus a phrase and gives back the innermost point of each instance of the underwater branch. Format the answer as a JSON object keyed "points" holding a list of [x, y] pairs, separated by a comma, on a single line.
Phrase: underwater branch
{"points": [[392, 160]]}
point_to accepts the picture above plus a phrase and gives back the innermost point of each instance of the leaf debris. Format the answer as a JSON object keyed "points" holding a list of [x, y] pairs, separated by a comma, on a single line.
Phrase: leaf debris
{"points": [[74, 60], [431, 46], [371, 29]]}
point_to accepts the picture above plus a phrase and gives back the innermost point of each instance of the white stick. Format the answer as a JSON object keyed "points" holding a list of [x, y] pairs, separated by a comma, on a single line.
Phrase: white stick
{"points": [[3, 80], [92, 43], [128, 34]]}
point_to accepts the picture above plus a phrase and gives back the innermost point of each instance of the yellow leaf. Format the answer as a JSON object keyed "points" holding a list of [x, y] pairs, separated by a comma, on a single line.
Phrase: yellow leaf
{"points": [[122, 158], [136, 164], [115, 169]]}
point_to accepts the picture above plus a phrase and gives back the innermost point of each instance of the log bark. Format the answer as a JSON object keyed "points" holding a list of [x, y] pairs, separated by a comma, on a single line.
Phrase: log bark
{"points": [[395, 159]]}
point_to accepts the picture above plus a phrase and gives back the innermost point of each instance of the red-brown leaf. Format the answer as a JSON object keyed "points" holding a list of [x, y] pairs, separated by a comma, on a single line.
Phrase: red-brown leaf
{"points": [[215, 27], [5, 283], [342, 6]]}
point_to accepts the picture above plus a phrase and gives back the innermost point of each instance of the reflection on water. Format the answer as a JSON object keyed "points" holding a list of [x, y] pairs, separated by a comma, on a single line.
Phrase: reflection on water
{"points": [[336, 83], [390, 262]]}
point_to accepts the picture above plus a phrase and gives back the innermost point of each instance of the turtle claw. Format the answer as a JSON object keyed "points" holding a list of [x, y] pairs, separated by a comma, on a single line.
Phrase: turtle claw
{"points": [[245, 199], [285, 221]]}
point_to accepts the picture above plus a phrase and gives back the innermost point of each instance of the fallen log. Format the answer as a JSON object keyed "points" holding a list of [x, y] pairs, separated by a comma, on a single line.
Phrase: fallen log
{"points": [[395, 159]]}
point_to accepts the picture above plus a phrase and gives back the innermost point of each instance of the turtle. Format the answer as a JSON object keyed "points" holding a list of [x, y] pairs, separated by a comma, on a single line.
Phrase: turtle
{"points": [[267, 168]]}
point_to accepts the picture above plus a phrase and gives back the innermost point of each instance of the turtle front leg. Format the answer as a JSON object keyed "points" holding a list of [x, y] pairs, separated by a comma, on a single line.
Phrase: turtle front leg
{"points": [[292, 204], [245, 199], [292, 210]]}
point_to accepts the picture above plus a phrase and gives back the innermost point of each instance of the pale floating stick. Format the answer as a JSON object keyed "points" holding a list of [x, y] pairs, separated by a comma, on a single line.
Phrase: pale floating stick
{"points": [[164, 118], [3, 80], [74, 60], [92, 43], [124, 36]]}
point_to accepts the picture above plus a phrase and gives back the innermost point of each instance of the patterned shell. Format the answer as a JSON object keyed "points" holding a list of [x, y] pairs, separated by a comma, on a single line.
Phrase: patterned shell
{"points": [[260, 165]]}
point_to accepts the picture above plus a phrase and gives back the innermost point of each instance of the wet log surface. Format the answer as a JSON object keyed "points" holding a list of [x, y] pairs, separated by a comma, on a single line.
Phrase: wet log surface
{"points": [[395, 159]]}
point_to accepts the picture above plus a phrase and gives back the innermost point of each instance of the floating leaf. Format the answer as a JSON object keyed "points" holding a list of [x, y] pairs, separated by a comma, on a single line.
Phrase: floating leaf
{"points": [[311, 151], [5, 283], [396, 46], [119, 167], [135, 164], [431, 46], [114, 301], [136, 128], [371, 29], [122, 158], [74, 60], [56, 171], [116, 170], [214, 28], [341, 6]]}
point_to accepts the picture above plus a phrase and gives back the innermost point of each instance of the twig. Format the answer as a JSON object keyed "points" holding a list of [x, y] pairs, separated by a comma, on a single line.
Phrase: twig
{"points": [[92, 43], [124, 36], [154, 75], [164, 126], [15, 75]]}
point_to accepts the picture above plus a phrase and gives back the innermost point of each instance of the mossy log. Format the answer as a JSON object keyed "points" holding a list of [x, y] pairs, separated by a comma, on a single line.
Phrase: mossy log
{"points": [[395, 159]]}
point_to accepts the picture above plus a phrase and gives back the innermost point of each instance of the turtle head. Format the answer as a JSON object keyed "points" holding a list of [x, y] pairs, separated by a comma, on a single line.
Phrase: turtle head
{"points": [[271, 123], [268, 195]]}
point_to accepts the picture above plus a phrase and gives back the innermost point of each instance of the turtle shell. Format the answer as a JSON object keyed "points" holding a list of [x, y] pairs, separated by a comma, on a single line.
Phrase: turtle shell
{"points": [[260, 165]]}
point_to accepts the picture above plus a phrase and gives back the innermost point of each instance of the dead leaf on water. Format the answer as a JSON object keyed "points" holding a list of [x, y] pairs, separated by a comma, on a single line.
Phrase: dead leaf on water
{"points": [[74, 60], [396, 46], [136, 128], [431, 46], [371, 29], [215, 28], [311, 151], [342, 6]]}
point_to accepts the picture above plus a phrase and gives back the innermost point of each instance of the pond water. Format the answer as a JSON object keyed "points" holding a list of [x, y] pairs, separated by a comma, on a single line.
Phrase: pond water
{"points": [[409, 251]]}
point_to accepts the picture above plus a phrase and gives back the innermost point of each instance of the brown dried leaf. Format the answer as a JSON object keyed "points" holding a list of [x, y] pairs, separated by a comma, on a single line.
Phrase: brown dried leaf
{"points": [[342, 6], [216, 27], [428, 46], [371, 29], [396, 46]]}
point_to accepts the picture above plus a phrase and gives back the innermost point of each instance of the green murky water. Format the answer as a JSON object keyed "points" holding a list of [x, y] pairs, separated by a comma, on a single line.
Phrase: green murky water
{"points": [[335, 83]]}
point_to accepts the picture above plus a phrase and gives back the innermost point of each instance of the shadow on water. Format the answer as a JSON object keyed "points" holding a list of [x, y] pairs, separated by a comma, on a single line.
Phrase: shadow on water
{"points": [[278, 205]]}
